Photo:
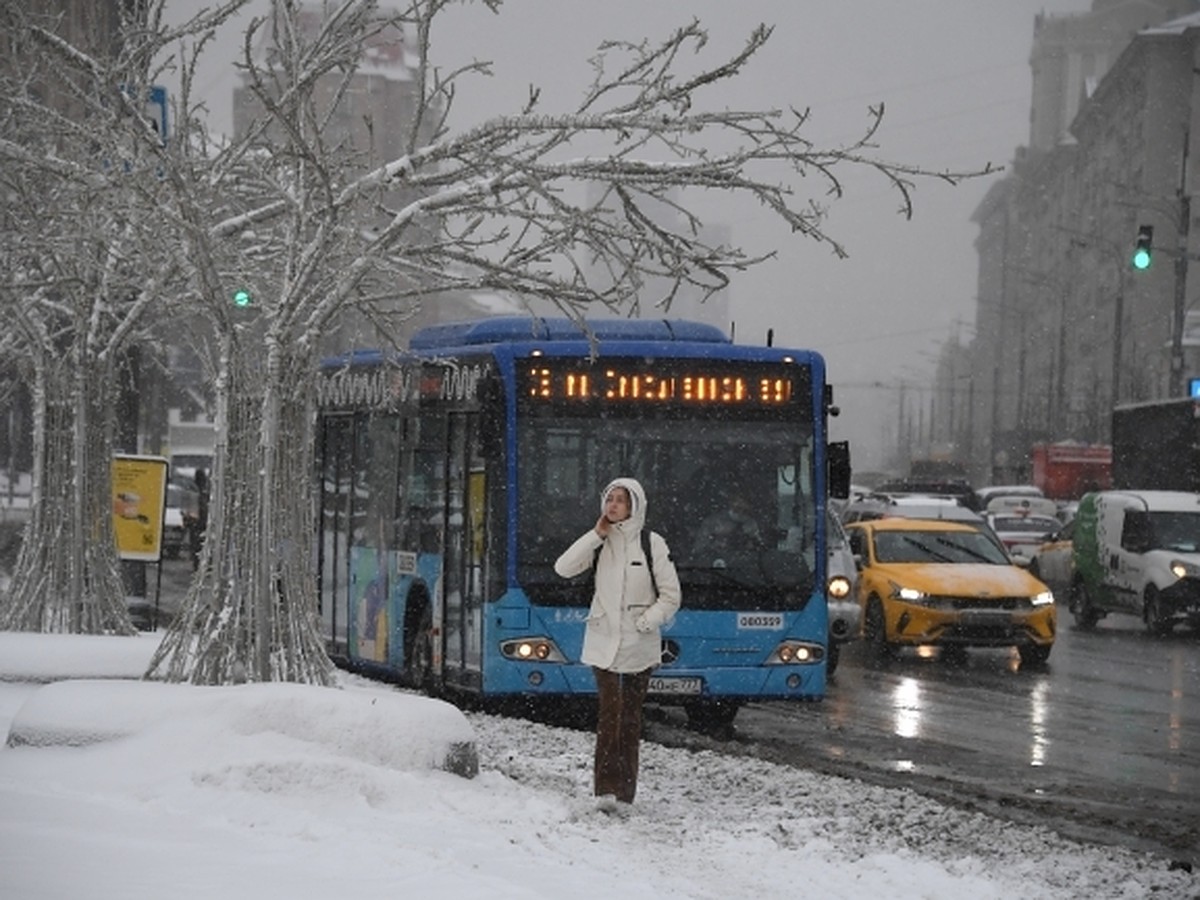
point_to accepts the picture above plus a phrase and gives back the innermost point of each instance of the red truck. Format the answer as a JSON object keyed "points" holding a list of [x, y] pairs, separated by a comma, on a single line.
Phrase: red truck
{"points": [[1066, 470]]}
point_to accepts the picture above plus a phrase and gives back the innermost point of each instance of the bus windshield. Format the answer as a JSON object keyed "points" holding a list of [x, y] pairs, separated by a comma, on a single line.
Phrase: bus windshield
{"points": [[733, 499]]}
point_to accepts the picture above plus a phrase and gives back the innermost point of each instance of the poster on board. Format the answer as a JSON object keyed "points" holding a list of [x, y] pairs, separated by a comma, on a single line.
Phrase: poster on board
{"points": [[139, 488]]}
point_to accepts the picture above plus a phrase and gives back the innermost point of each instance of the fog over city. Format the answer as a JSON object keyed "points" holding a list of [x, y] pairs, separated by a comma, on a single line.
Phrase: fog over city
{"points": [[954, 77]]}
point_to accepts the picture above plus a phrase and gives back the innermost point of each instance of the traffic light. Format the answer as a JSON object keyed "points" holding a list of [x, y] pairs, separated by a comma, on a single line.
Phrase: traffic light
{"points": [[241, 298], [1143, 251]]}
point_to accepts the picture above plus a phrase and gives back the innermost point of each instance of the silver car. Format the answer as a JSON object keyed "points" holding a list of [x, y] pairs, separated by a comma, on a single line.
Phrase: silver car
{"points": [[841, 580]]}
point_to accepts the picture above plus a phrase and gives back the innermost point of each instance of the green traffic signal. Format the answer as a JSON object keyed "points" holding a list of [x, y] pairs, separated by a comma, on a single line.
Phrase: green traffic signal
{"points": [[241, 298], [1142, 253]]}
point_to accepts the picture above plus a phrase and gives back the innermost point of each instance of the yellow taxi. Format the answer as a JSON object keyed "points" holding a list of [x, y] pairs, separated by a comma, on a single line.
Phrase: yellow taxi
{"points": [[947, 584]]}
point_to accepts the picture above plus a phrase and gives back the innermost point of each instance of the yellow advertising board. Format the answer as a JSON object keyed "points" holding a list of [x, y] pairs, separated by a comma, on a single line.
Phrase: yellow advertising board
{"points": [[139, 490]]}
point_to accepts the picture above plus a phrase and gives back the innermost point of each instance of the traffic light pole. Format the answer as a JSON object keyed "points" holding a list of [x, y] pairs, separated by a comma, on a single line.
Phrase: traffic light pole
{"points": [[1179, 312]]}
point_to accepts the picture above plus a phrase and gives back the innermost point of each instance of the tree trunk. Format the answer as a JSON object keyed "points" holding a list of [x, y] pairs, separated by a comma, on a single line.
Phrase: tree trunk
{"points": [[251, 611], [66, 578]]}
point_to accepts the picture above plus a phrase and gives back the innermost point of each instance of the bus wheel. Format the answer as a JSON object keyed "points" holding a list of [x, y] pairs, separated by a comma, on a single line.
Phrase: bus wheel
{"points": [[1086, 615], [418, 656], [712, 714], [1152, 613]]}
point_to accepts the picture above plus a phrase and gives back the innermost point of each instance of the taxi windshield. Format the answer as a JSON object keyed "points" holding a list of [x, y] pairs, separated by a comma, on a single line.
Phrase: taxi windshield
{"points": [[937, 547]]}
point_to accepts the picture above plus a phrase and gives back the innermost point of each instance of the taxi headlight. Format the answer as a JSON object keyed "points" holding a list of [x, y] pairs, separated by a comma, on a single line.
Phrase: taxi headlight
{"points": [[839, 587], [1042, 599], [912, 595]]}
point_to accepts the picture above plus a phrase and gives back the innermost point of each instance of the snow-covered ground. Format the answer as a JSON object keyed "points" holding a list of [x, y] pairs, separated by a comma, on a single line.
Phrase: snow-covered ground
{"points": [[150, 791]]}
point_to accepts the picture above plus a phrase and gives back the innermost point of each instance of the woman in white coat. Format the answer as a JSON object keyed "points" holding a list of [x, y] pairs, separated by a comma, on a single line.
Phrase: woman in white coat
{"points": [[622, 641]]}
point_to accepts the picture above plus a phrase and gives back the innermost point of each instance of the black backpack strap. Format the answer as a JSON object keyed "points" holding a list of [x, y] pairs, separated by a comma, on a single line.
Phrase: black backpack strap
{"points": [[649, 554]]}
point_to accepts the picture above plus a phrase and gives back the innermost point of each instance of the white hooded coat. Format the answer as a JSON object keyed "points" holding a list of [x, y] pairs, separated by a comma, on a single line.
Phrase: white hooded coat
{"points": [[624, 592]]}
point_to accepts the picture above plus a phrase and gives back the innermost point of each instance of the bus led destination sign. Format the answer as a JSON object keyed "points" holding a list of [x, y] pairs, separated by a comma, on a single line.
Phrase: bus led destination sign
{"points": [[701, 386]]}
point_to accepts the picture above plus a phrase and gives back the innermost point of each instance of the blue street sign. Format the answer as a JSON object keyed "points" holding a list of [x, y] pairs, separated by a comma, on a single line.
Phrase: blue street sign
{"points": [[156, 109]]}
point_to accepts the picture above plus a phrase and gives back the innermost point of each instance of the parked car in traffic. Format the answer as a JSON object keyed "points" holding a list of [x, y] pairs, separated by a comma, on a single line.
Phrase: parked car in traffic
{"points": [[179, 517], [1052, 563], [990, 492], [1023, 523], [841, 592], [864, 509], [918, 506], [953, 488], [947, 584]]}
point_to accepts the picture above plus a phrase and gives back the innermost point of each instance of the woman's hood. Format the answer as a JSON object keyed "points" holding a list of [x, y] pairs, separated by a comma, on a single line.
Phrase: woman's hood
{"points": [[637, 501]]}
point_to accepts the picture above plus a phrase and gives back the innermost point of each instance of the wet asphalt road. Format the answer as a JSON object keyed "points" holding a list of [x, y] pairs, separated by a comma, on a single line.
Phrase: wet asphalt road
{"points": [[1103, 743]]}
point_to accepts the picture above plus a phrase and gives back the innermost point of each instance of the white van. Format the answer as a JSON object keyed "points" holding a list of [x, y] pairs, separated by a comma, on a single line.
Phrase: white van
{"points": [[1137, 552]]}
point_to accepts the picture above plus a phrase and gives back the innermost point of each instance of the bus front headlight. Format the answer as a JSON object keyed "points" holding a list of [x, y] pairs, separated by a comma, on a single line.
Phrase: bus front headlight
{"points": [[536, 649], [792, 652]]}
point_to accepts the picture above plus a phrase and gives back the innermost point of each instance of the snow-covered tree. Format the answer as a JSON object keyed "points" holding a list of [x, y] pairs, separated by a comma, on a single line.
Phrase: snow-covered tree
{"points": [[77, 219], [313, 227]]}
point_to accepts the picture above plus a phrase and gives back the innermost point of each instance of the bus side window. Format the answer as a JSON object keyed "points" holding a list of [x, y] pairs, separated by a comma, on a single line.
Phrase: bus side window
{"points": [[427, 494]]}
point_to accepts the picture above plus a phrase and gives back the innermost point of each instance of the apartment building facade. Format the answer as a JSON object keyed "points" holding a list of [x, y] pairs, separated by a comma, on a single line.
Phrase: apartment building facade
{"points": [[1065, 327]]}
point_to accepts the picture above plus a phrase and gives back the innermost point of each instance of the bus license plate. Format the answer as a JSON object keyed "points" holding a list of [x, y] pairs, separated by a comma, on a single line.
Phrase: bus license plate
{"points": [[664, 685]]}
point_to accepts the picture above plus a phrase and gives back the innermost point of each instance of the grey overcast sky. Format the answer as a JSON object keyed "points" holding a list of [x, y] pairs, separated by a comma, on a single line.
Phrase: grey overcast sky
{"points": [[955, 78]]}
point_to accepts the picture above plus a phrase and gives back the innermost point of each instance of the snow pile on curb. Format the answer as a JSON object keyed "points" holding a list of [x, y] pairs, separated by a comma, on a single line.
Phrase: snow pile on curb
{"points": [[392, 730], [42, 658]]}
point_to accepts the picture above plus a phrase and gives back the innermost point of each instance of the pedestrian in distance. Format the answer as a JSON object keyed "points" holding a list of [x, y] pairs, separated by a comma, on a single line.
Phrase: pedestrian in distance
{"points": [[200, 526], [636, 595]]}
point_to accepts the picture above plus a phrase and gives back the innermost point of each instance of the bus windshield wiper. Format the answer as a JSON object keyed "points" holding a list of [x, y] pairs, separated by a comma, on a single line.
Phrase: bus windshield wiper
{"points": [[721, 575]]}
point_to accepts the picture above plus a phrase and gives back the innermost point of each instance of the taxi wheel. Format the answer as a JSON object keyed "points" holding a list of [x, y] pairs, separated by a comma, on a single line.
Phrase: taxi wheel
{"points": [[1152, 613], [1034, 654], [876, 631]]}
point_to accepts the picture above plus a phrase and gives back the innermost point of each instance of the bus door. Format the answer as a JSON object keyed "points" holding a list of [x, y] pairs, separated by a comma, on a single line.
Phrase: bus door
{"points": [[336, 508], [463, 574]]}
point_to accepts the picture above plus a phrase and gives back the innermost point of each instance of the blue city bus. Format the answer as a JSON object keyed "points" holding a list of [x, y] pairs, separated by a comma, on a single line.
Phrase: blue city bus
{"points": [[452, 476]]}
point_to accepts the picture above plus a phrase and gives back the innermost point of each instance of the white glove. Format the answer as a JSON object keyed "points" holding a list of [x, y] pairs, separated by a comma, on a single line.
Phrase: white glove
{"points": [[642, 624]]}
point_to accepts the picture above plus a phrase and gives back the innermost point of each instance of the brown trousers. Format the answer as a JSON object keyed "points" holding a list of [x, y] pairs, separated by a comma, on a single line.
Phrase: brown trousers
{"points": [[618, 731]]}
